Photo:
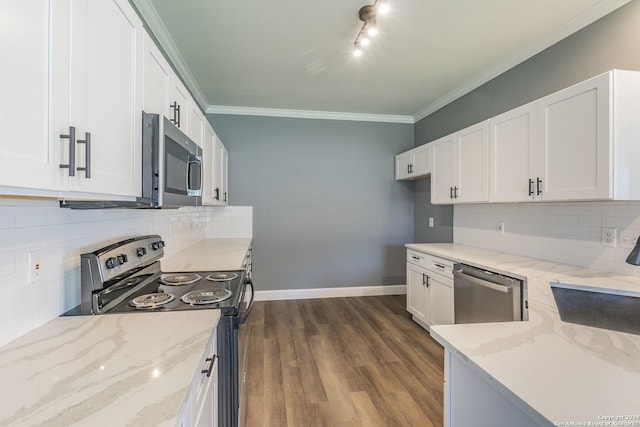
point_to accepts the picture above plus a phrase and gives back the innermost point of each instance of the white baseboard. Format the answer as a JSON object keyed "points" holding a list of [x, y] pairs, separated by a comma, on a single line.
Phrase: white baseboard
{"points": [[356, 291]]}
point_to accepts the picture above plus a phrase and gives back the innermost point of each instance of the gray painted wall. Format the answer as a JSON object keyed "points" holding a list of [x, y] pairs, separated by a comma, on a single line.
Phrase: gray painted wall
{"points": [[611, 42], [327, 210]]}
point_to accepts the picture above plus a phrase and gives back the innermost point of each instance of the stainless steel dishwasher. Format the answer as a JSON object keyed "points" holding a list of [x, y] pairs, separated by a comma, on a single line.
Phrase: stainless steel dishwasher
{"points": [[482, 296]]}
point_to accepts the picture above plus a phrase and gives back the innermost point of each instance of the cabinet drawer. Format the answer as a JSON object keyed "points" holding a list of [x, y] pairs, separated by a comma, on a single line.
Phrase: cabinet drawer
{"points": [[417, 258], [441, 266]]}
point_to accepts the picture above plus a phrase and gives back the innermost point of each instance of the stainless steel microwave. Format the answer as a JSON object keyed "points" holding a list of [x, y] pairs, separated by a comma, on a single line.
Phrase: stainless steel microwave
{"points": [[171, 164], [171, 170]]}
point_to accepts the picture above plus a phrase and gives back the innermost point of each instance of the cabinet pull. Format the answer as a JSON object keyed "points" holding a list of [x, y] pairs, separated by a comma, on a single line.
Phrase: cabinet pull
{"points": [[216, 193], [72, 151], [455, 192], [87, 155], [225, 196], [176, 113], [538, 185], [417, 258], [451, 192], [439, 265], [530, 187], [212, 361], [411, 168]]}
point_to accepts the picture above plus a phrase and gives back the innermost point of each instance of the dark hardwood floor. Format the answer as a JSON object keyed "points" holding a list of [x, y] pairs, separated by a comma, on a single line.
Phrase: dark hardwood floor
{"points": [[356, 361]]}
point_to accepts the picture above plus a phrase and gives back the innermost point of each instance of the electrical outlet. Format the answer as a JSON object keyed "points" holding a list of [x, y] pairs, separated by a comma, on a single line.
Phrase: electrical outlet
{"points": [[609, 236], [430, 221], [501, 227], [34, 265], [628, 239]]}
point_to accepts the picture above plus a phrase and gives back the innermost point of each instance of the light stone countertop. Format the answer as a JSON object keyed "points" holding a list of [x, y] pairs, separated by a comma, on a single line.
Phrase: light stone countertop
{"points": [[127, 369], [209, 255], [556, 371]]}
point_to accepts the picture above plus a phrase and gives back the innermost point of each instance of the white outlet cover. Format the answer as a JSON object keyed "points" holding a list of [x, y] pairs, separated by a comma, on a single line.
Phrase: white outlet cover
{"points": [[609, 236], [34, 266]]}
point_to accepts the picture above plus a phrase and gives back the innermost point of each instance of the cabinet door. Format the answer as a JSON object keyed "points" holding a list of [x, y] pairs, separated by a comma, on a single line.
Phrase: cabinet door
{"points": [[403, 165], [417, 293], [574, 153], [471, 179], [512, 164], [106, 95], [30, 154], [442, 157], [196, 124], [180, 104], [211, 169], [224, 174], [442, 304], [157, 79], [421, 161]]}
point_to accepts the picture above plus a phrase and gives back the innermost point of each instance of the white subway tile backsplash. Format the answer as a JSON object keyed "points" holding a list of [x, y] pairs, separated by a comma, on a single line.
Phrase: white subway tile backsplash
{"points": [[569, 233], [28, 225]]}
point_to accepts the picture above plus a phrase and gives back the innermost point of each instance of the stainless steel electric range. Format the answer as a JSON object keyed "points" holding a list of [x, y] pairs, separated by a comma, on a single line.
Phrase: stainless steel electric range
{"points": [[125, 277]]}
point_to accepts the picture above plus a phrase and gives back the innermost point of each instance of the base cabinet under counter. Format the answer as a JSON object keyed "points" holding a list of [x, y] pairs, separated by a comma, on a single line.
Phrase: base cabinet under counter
{"points": [[429, 289], [471, 400], [200, 407]]}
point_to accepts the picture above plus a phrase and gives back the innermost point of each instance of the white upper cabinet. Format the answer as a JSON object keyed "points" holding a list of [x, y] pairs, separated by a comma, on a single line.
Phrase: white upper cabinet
{"points": [[30, 154], [415, 163], [513, 147], [215, 159], [196, 124], [460, 166], [575, 141], [179, 104], [71, 99], [157, 79], [106, 96], [442, 170]]}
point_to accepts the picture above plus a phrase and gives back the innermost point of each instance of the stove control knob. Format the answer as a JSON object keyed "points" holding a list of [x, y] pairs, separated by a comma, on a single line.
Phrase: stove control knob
{"points": [[111, 263], [141, 252], [157, 245], [122, 258]]}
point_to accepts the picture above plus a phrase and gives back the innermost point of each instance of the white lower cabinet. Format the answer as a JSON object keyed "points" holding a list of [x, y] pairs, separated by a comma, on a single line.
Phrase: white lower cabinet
{"points": [[200, 408], [471, 400], [429, 289]]}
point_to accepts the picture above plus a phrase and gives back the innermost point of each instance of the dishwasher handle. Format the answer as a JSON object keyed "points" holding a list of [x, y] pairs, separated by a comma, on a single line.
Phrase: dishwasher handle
{"points": [[459, 274]]}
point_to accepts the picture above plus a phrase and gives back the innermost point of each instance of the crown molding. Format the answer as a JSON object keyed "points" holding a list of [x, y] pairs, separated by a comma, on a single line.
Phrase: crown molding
{"points": [[587, 17], [308, 114], [154, 23]]}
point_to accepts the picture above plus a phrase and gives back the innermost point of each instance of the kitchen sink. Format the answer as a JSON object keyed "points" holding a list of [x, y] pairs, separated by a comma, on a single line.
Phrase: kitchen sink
{"points": [[612, 309]]}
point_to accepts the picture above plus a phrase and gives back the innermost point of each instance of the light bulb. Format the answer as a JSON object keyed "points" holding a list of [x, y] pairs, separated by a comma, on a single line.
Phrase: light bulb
{"points": [[365, 41], [383, 8], [357, 52], [372, 31]]}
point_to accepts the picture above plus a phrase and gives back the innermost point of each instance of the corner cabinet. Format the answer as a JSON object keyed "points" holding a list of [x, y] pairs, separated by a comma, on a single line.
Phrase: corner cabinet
{"points": [[429, 289], [460, 166], [80, 62], [413, 164]]}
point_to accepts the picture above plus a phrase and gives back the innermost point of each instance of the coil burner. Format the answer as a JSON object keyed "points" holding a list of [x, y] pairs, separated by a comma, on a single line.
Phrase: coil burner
{"points": [[221, 276], [206, 296], [178, 279], [154, 300]]}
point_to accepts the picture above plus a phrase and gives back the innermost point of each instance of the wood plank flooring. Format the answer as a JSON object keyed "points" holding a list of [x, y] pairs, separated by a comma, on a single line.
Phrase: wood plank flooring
{"points": [[356, 361]]}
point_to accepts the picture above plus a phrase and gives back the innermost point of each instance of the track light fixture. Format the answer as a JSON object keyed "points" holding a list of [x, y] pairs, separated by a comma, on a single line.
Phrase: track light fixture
{"points": [[368, 15]]}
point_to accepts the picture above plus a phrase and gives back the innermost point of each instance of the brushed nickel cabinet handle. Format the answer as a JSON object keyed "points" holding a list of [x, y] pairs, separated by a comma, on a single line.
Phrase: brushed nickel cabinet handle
{"points": [[72, 151]]}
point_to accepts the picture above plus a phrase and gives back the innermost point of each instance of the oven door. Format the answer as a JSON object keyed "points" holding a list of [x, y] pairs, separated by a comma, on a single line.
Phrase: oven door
{"points": [[243, 345]]}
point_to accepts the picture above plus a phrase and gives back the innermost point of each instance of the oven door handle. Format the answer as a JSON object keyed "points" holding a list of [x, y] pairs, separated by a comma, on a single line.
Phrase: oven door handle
{"points": [[242, 317]]}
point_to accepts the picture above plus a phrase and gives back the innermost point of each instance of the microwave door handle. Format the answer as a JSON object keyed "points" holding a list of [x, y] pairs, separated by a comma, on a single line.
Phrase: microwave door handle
{"points": [[193, 160]]}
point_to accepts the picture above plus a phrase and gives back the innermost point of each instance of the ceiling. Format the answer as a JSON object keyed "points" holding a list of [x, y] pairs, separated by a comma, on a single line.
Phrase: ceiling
{"points": [[294, 57]]}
